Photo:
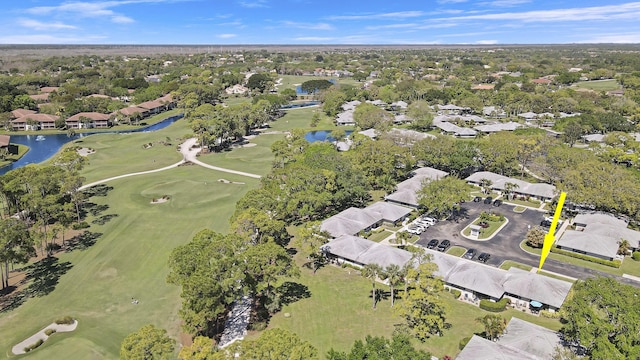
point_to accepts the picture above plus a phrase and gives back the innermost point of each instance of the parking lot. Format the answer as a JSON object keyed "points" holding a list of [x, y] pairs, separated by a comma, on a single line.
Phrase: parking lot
{"points": [[505, 245]]}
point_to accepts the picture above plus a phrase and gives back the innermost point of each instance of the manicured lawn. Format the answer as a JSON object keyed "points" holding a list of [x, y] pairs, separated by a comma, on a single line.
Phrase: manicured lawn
{"points": [[338, 312], [519, 209], [599, 85], [509, 264], [128, 260], [456, 251], [484, 232], [379, 236], [22, 149], [256, 159], [630, 266], [235, 100], [530, 203]]}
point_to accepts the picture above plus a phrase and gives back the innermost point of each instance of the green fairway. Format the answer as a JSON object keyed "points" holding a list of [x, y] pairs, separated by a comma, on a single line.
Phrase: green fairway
{"points": [[256, 159], [118, 154], [129, 260], [598, 85]]}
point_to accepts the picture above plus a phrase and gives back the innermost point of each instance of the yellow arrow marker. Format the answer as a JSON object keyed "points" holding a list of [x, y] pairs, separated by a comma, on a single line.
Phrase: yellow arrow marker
{"points": [[549, 238]]}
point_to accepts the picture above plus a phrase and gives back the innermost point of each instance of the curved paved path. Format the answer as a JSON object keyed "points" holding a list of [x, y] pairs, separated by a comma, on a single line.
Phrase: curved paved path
{"points": [[188, 155]]}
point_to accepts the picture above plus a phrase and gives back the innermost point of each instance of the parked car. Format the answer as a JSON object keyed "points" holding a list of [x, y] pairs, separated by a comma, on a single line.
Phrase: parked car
{"points": [[470, 254], [497, 203], [488, 200], [444, 245], [433, 243], [414, 230], [484, 257], [429, 219], [477, 199]]}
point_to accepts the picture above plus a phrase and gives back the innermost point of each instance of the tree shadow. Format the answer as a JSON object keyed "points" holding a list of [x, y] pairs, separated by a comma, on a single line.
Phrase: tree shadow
{"points": [[11, 299], [291, 292], [103, 219], [44, 275], [95, 209], [459, 214], [82, 241], [98, 190]]}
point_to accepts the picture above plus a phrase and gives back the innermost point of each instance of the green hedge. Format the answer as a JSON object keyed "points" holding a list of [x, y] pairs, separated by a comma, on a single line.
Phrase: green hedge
{"points": [[494, 306], [615, 263], [456, 293], [463, 343], [636, 255], [550, 315]]}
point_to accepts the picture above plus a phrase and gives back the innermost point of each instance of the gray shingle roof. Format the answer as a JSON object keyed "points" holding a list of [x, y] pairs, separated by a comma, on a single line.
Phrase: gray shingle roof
{"points": [[455, 129], [495, 282], [406, 192], [364, 251], [345, 117], [523, 340], [499, 181], [536, 287], [352, 220], [600, 236], [497, 127], [387, 211]]}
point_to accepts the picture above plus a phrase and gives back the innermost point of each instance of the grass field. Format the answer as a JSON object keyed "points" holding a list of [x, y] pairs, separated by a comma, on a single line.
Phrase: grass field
{"points": [[598, 85], [456, 251], [380, 236], [22, 149], [338, 312], [256, 159], [128, 260]]}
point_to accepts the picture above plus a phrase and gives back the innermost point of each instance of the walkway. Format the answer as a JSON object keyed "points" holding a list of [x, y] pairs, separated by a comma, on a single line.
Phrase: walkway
{"points": [[189, 154], [235, 328]]}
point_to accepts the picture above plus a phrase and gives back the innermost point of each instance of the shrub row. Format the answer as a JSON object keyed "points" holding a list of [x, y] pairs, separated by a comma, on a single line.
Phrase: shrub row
{"points": [[48, 332], [67, 320], [78, 226], [34, 345], [636, 255], [549, 314], [456, 293], [615, 263], [494, 306], [463, 342]]}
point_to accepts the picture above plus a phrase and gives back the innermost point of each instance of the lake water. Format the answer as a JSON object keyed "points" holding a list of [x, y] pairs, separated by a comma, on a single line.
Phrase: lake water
{"points": [[322, 135], [40, 151]]}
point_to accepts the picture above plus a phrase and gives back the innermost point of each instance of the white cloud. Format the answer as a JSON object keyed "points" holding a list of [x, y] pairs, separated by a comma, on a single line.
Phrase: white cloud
{"points": [[39, 25], [411, 26], [486, 42], [314, 38], [226, 36], [390, 15], [629, 11], [308, 26], [99, 9], [47, 39], [254, 4], [618, 38], [121, 19], [505, 3]]}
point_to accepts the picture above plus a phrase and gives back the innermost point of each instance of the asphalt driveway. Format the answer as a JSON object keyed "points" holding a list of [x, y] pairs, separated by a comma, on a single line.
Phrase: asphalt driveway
{"points": [[505, 245]]}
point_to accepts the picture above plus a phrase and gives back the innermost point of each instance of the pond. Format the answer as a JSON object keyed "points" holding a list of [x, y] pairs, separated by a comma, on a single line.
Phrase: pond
{"points": [[322, 135], [300, 105], [41, 150]]}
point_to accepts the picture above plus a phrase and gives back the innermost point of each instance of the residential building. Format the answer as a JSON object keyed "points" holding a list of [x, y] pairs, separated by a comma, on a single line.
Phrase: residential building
{"points": [[598, 235], [88, 120], [35, 122], [522, 340], [354, 220], [407, 191], [497, 127], [540, 191]]}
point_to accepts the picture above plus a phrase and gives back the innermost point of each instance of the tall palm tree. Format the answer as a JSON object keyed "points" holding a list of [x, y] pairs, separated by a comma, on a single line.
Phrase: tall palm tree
{"points": [[393, 273], [485, 184], [494, 325], [371, 271], [623, 247], [508, 188]]}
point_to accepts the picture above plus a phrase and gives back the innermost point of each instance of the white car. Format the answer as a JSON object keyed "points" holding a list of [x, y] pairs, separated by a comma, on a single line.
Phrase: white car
{"points": [[429, 219]]}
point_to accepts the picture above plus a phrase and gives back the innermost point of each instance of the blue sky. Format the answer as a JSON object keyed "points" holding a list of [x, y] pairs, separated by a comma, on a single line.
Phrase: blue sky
{"points": [[318, 22]]}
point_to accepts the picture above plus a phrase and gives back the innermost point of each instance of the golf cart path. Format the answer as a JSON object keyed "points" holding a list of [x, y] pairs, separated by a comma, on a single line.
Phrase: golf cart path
{"points": [[189, 154]]}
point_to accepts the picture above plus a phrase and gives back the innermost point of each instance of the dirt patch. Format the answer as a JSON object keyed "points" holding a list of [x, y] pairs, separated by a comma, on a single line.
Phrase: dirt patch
{"points": [[85, 151]]}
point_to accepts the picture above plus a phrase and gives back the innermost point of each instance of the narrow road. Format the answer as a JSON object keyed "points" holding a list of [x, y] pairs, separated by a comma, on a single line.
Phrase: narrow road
{"points": [[189, 154]]}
